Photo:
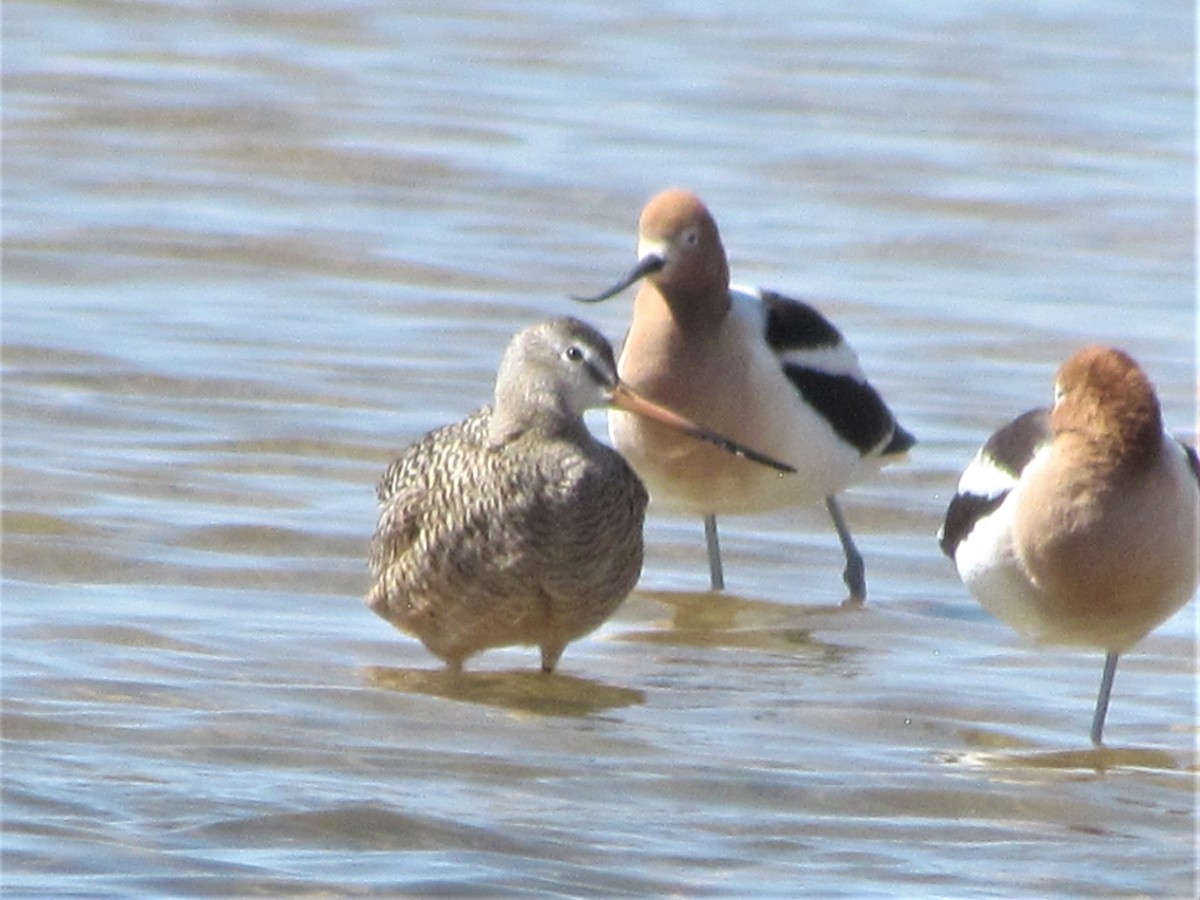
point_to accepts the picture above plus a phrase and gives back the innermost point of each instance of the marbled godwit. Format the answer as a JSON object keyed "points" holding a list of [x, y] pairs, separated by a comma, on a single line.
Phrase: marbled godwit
{"points": [[1078, 524], [762, 367], [515, 526]]}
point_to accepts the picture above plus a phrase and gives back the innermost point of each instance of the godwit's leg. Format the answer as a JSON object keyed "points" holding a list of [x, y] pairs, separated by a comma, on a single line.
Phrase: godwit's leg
{"points": [[1106, 683], [715, 572], [854, 574], [550, 655]]}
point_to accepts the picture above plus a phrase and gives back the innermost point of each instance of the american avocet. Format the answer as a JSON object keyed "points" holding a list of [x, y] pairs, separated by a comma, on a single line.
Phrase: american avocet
{"points": [[515, 526], [762, 367], [1078, 524]]}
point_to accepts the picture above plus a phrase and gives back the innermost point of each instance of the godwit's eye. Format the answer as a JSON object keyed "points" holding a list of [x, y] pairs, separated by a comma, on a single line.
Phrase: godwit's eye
{"points": [[691, 237], [573, 353]]}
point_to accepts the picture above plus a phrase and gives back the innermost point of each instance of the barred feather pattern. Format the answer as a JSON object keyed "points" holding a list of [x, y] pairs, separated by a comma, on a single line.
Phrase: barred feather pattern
{"points": [[536, 540]]}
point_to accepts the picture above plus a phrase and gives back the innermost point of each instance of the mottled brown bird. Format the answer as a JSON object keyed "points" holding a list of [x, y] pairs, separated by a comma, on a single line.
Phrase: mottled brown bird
{"points": [[516, 526]]}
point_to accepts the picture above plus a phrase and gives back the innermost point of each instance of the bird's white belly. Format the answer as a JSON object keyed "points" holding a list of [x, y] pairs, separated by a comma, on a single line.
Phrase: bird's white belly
{"points": [[987, 563], [990, 566]]}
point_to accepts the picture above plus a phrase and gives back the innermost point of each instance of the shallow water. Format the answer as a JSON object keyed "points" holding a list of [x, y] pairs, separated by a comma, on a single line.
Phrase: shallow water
{"points": [[250, 250]]}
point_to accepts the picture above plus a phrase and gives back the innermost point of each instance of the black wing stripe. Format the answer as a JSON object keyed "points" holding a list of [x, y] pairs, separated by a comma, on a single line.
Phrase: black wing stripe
{"points": [[1010, 449], [902, 441], [852, 408], [1013, 446], [792, 325], [962, 514]]}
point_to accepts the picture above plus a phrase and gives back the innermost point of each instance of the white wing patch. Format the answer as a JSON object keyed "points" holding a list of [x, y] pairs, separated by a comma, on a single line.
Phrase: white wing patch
{"points": [[836, 359], [984, 477]]}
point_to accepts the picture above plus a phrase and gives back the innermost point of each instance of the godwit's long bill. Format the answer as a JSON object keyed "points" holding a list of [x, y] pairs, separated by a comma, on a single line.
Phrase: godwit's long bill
{"points": [[1078, 524], [768, 370], [515, 526]]}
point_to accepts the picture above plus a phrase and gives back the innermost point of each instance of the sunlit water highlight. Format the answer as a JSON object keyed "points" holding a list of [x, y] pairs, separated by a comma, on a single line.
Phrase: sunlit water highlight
{"points": [[251, 249]]}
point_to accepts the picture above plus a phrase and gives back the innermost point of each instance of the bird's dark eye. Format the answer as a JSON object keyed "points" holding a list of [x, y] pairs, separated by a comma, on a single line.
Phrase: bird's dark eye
{"points": [[691, 238], [573, 353]]}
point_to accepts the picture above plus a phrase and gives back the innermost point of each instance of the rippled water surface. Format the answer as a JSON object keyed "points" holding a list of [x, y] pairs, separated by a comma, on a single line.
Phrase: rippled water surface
{"points": [[253, 248]]}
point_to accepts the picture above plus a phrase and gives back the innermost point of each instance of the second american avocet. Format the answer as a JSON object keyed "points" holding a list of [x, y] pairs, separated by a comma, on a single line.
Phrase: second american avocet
{"points": [[1078, 524], [515, 526], [761, 367]]}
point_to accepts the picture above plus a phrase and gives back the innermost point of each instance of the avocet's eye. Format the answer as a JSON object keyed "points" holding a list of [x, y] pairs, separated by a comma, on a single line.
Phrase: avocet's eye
{"points": [[573, 353], [691, 237]]}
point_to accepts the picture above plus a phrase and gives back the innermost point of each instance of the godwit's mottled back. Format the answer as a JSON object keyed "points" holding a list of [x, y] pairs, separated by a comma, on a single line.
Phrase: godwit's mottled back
{"points": [[515, 526]]}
